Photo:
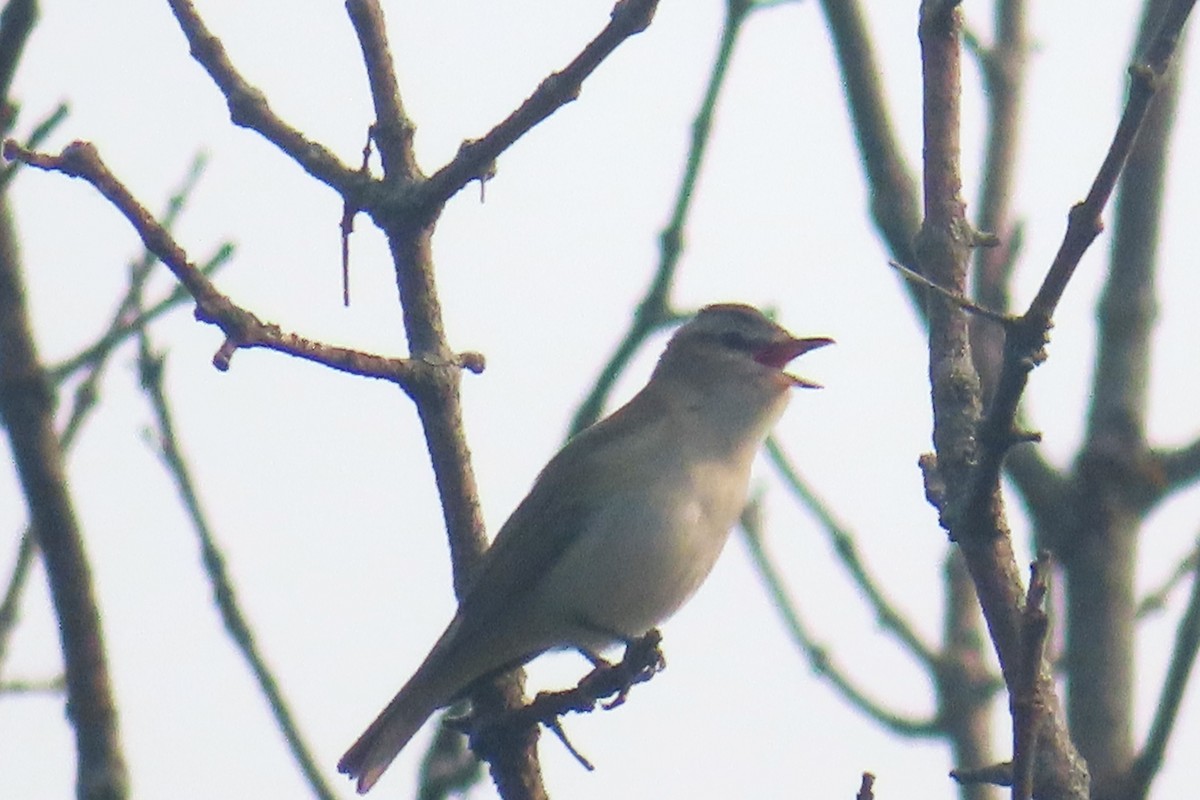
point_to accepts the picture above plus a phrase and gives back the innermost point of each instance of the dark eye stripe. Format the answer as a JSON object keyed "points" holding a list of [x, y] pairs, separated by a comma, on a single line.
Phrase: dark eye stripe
{"points": [[735, 340]]}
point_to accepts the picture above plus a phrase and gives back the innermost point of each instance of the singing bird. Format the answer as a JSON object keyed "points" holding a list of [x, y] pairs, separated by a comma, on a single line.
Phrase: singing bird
{"points": [[619, 529]]}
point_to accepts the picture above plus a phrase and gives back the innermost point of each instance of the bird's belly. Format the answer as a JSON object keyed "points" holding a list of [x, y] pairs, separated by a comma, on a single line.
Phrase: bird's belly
{"points": [[639, 562]]}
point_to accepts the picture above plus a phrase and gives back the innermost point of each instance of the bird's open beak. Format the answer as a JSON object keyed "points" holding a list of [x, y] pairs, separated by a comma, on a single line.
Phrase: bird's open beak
{"points": [[778, 355]]}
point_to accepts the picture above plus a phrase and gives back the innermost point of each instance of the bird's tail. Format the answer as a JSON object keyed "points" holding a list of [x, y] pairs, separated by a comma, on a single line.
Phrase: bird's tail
{"points": [[383, 740]]}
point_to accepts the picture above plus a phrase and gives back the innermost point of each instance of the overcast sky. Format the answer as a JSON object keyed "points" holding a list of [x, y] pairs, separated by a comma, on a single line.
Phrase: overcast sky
{"points": [[318, 483]]}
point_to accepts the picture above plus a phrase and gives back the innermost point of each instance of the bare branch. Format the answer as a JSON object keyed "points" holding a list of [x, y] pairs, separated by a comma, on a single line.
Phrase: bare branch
{"points": [[966, 683], [393, 130], [1178, 468], [474, 159], [129, 318], [1003, 68], [40, 133], [981, 529], [248, 107], [27, 413], [866, 788], [242, 328], [16, 23], [53, 686], [151, 365], [1156, 599], [818, 659], [17, 580], [895, 196], [963, 302], [654, 310], [1027, 698], [1025, 342], [1183, 659], [123, 326], [843, 545]]}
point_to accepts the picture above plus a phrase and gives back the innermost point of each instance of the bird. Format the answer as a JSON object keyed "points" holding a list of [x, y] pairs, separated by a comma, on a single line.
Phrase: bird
{"points": [[620, 527]]}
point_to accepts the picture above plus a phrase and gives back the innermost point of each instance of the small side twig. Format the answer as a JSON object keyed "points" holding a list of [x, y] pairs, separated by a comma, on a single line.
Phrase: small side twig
{"points": [[1156, 599], [866, 789], [1028, 710], [964, 303], [1023, 349], [476, 158], [54, 686], [654, 311], [818, 658], [1178, 468], [843, 545], [225, 596], [1179, 670], [125, 325], [242, 328], [40, 133], [248, 107], [17, 580]]}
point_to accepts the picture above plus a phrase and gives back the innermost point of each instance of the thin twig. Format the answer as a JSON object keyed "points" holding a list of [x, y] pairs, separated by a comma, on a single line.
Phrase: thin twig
{"points": [[818, 658], [1025, 700], [476, 158], [224, 594], [965, 303], [866, 788], [128, 317], [1026, 339], [40, 133], [123, 326], [843, 545], [241, 327], [248, 106], [17, 580], [1156, 599], [53, 686], [1166, 713], [654, 311]]}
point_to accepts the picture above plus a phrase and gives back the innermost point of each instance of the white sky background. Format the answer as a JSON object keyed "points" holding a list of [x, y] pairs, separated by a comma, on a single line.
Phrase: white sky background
{"points": [[318, 483]]}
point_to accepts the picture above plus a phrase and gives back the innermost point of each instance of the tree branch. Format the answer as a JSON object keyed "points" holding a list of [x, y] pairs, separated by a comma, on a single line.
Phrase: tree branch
{"points": [[943, 249], [242, 328], [844, 547], [27, 411], [248, 107], [1178, 468], [1026, 699], [151, 367], [475, 158], [895, 197], [1179, 669], [1024, 345], [16, 24], [654, 310], [1003, 68], [818, 658]]}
